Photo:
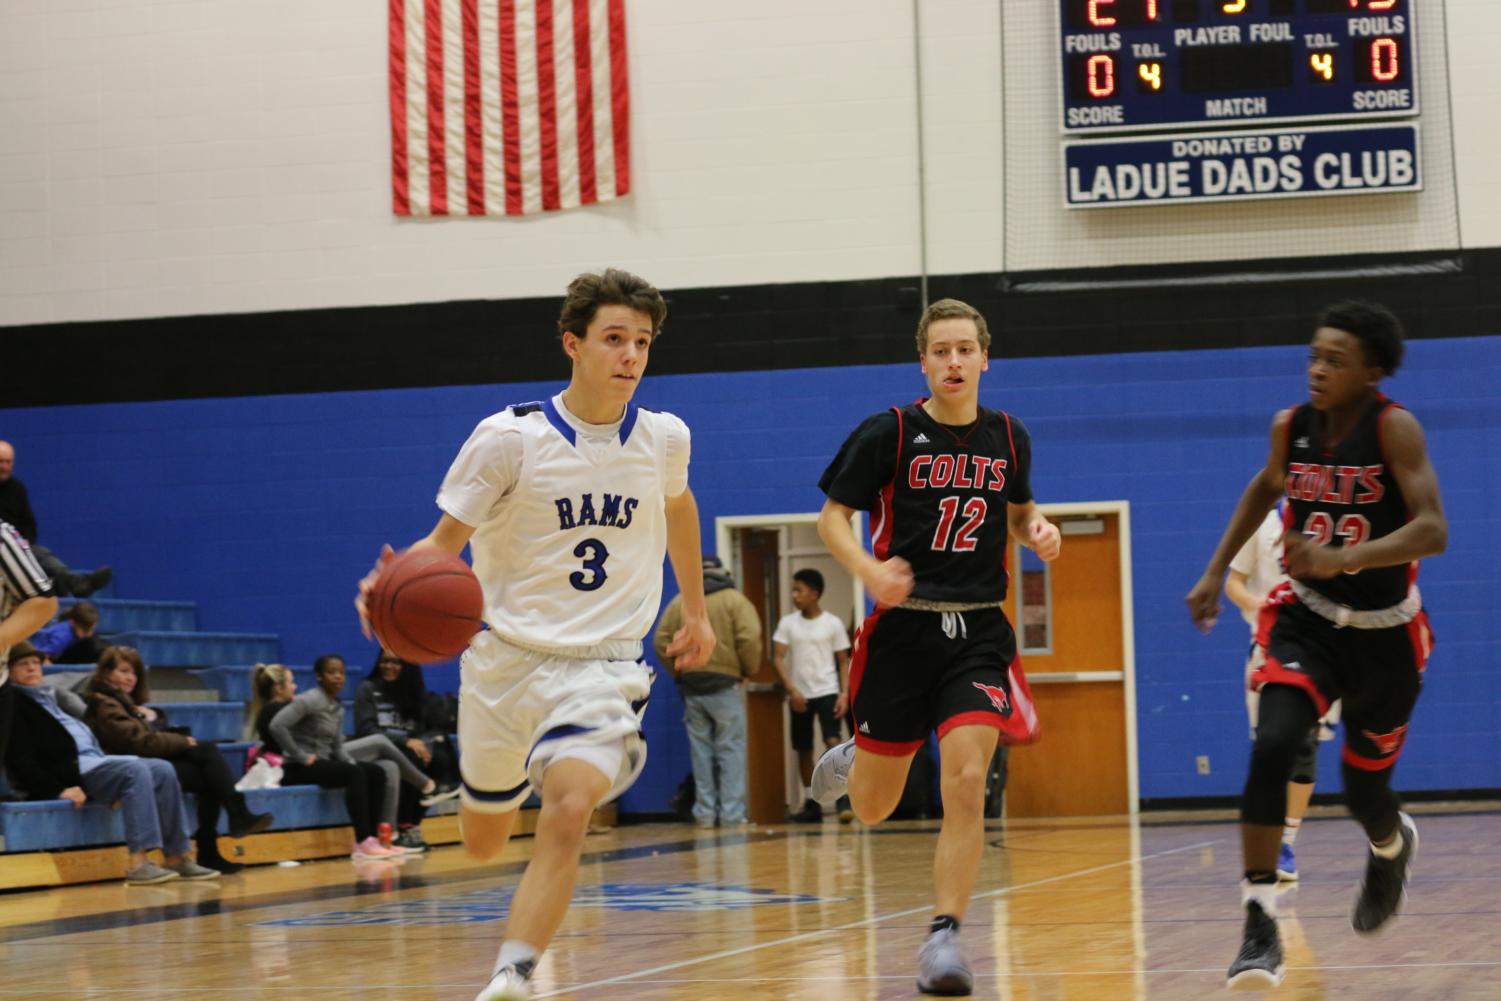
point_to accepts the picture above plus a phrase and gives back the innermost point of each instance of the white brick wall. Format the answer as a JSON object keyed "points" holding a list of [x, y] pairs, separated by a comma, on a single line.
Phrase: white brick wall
{"points": [[204, 156], [1474, 53]]}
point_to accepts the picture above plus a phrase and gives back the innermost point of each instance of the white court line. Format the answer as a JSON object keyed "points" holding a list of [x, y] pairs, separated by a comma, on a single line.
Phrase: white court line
{"points": [[1023, 974], [304, 989], [805, 936]]}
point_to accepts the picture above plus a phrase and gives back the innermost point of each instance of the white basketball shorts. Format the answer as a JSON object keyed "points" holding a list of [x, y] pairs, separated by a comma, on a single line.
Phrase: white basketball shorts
{"points": [[519, 709]]}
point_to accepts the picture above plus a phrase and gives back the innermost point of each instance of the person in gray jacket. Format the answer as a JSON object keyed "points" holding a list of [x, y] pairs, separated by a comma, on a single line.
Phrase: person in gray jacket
{"points": [[308, 732], [713, 703]]}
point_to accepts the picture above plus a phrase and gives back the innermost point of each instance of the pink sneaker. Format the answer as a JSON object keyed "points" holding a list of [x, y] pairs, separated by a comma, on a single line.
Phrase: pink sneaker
{"points": [[370, 848]]}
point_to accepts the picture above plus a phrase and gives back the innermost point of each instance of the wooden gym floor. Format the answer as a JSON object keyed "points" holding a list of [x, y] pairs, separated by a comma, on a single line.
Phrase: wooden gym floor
{"points": [[1094, 909]]}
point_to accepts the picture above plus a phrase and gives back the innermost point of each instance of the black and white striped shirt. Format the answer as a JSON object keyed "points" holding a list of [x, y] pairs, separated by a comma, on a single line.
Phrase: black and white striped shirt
{"points": [[21, 578]]}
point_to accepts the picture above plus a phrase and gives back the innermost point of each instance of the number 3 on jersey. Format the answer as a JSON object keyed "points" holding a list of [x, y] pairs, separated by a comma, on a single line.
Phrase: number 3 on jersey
{"points": [[948, 512], [594, 554], [1353, 528]]}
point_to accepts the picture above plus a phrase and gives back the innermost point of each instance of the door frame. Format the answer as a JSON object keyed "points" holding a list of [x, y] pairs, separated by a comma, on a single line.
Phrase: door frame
{"points": [[729, 554], [724, 545], [724, 526], [1122, 510]]}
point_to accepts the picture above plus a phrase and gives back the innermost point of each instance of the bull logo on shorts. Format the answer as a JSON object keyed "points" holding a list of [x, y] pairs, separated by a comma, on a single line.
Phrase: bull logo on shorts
{"points": [[1387, 743], [998, 698]]}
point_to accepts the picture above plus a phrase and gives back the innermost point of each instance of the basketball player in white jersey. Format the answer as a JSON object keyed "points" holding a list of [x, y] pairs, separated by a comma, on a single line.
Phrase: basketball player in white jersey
{"points": [[567, 506]]}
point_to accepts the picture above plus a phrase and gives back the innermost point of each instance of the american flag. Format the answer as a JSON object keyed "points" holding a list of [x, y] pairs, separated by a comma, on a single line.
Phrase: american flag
{"points": [[507, 107]]}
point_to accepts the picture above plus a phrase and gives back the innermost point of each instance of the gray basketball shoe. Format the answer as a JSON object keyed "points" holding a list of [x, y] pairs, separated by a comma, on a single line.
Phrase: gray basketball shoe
{"points": [[941, 966], [831, 776]]}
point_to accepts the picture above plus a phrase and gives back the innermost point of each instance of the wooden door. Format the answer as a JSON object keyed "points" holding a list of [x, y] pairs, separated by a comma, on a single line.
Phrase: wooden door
{"points": [[1079, 767], [765, 740]]}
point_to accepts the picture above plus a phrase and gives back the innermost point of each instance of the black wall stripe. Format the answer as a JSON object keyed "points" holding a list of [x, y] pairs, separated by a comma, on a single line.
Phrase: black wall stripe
{"points": [[742, 328]]}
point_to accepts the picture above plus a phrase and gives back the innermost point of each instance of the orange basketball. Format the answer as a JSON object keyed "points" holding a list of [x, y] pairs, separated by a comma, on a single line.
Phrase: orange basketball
{"points": [[427, 605]]}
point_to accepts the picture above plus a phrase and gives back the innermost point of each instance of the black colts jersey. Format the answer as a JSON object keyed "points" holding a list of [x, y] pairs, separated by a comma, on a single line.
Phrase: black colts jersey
{"points": [[937, 496], [1346, 495]]}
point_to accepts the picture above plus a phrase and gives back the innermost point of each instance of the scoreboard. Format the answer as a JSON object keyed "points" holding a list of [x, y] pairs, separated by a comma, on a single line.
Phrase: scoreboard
{"points": [[1146, 64]]}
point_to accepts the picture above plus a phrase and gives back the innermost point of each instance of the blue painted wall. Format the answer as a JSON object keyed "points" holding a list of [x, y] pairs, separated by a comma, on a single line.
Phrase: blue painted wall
{"points": [[266, 511]]}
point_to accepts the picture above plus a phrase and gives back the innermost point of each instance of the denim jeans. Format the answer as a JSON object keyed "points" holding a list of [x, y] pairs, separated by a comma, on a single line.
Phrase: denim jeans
{"points": [[716, 734], [150, 801]]}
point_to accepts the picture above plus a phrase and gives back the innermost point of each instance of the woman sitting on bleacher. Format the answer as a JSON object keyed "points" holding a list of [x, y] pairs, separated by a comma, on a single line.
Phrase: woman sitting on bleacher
{"points": [[118, 715], [308, 732], [389, 708], [52, 755]]}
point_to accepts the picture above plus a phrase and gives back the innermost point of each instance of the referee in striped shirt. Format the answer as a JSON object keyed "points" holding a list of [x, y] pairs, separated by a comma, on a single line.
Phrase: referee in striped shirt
{"points": [[26, 604]]}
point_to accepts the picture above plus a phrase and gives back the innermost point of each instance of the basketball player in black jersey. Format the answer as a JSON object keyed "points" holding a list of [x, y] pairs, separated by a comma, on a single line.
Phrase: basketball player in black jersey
{"points": [[1363, 508], [944, 480]]}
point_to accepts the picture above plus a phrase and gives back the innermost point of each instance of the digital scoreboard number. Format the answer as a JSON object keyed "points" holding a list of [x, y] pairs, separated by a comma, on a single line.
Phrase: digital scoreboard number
{"points": [[1138, 64]]}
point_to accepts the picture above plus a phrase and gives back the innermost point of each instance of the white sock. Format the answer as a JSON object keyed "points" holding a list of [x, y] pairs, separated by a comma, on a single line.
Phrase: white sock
{"points": [[1392, 850], [1264, 894], [512, 951], [1290, 830]]}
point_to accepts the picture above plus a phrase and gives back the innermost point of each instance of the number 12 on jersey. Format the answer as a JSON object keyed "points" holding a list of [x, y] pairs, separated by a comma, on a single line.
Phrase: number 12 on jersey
{"points": [[948, 513]]}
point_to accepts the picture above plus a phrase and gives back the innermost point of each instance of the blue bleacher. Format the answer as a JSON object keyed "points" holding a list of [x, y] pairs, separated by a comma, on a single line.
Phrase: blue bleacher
{"points": [[220, 721], [193, 649], [234, 756], [166, 633], [118, 615], [232, 681]]}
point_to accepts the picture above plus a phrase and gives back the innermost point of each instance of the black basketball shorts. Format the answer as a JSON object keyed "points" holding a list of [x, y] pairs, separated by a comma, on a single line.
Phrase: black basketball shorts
{"points": [[1377, 672], [914, 672], [828, 723]]}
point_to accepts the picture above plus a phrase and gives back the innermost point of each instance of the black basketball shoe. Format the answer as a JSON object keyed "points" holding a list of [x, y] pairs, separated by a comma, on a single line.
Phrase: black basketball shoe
{"points": [[1385, 882], [1259, 962]]}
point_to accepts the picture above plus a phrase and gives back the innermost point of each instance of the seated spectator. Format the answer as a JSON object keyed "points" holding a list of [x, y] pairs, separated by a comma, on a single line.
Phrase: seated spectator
{"points": [[307, 730], [404, 782], [71, 639], [118, 715], [271, 687], [390, 706], [15, 507], [26, 603], [53, 755]]}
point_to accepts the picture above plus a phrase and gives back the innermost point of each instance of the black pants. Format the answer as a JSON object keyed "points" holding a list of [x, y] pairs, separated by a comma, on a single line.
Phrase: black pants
{"points": [[201, 771], [444, 768], [65, 582], [85, 651], [409, 808], [7, 714], [363, 782]]}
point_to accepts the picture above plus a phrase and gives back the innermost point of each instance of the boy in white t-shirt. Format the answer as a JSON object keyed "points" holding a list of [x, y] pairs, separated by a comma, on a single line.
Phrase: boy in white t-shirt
{"points": [[812, 656], [1254, 572]]}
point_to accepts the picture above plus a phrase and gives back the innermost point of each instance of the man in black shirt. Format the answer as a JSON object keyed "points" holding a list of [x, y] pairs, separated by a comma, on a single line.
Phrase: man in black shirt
{"points": [[15, 508], [945, 481]]}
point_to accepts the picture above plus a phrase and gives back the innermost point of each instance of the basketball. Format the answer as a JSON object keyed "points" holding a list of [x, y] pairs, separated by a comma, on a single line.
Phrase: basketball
{"points": [[426, 606]]}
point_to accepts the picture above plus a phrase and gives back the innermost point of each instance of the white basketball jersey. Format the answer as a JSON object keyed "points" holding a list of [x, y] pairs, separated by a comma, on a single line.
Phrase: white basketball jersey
{"points": [[570, 527]]}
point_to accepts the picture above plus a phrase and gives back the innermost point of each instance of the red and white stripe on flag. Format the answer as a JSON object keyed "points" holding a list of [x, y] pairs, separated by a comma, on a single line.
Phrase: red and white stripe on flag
{"points": [[507, 107]]}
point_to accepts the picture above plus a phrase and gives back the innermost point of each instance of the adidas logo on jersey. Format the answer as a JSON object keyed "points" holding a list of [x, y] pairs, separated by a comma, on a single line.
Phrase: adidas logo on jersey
{"points": [[921, 439], [865, 727], [1300, 443]]}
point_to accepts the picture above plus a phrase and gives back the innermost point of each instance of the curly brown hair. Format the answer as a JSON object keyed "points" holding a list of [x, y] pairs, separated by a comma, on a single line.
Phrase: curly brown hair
{"points": [[611, 287]]}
